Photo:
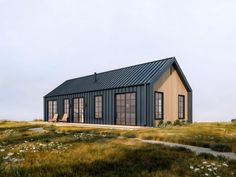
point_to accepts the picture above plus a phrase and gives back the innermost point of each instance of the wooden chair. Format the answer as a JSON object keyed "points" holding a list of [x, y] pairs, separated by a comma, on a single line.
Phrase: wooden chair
{"points": [[54, 119], [64, 118]]}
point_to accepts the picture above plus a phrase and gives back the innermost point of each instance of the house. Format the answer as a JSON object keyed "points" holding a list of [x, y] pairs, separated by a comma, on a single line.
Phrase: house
{"points": [[138, 95]]}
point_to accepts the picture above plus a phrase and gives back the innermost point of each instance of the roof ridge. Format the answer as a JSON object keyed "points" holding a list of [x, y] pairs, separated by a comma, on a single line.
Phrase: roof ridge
{"points": [[121, 68]]}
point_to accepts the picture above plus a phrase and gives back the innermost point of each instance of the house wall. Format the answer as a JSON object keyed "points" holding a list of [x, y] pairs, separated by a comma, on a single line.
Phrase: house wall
{"points": [[142, 115], [172, 86]]}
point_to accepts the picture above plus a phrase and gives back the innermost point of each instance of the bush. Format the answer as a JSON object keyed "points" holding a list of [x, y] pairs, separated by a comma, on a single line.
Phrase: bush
{"points": [[177, 122], [147, 138], [129, 135], [160, 123], [206, 156], [168, 124], [221, 147], [38, 120], [233, 120]]}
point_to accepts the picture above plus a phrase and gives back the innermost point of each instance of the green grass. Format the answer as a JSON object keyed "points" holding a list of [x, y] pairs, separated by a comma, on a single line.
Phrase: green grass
{"points": [[80, 151]]}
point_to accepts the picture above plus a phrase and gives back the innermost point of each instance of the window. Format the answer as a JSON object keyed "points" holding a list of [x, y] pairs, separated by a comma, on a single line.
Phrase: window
{"points": [[52, 109], [159, 105], [126, 109], [98, 106], [66, 106], [81, 109], [181, 108], [78, 109]]}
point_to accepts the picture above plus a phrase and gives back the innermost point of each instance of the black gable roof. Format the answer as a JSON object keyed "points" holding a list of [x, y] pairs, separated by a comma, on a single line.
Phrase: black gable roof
{"points": [[124, 77]]}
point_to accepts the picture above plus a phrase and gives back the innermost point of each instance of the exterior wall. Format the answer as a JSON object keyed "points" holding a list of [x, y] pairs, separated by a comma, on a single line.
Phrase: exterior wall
{"points": [[108, 105], [172, 86]]}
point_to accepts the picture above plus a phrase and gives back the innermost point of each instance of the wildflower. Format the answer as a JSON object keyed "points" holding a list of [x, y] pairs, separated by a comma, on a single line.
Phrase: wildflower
{"points": [[2, 150], [5, 158], [224, 164], [209, 169], [204, 162], [196, 169], [206, 174], [10, 154]]}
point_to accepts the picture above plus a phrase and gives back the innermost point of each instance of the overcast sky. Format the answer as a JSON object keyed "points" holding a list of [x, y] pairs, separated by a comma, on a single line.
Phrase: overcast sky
{"points": [[45, 42]]}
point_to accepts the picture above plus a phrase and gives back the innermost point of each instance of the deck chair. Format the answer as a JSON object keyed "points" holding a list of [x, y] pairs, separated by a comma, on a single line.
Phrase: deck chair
{"points": [[54, 119], [64, 118]]}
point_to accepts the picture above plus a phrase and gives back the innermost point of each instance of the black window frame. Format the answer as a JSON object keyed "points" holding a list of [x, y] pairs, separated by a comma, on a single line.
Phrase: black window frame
{"points": [[100, 112], [53, 111], [179, 106], [68, 106], [78, 113], [156, 108], [125, 113]]}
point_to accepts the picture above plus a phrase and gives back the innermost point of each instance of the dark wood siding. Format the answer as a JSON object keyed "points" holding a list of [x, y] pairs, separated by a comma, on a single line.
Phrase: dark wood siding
{"points": [[142, 99]]}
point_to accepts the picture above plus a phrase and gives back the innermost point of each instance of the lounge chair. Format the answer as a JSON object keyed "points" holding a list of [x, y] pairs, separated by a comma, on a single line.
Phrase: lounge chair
{"points": [[64, 118], [54, 119]]}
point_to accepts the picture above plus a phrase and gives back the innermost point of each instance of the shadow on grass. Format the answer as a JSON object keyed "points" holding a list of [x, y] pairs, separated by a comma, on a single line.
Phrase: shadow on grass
{"points": [[146, 160], [23, 134]]}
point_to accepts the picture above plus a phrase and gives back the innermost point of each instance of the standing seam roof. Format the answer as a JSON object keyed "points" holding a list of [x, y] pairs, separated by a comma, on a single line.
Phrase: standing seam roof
{"points": [[123, 77]]}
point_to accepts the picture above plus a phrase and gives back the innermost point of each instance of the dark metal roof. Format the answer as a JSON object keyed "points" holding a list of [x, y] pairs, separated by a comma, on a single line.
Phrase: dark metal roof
{"points": [[124, 77]]}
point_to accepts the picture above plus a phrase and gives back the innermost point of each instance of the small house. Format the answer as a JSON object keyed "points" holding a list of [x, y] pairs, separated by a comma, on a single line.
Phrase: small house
{"points": [[139, 95]]}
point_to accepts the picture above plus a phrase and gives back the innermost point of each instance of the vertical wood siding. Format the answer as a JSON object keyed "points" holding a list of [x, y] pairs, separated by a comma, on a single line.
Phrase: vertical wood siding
{"points": [[142, 115]]}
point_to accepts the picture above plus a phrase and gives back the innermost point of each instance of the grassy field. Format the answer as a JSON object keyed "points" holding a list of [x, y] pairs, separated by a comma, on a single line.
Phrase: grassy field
{"points": [[79, 151]]}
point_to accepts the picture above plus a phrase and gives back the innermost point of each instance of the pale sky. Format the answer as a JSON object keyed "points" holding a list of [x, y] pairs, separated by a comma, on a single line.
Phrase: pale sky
{"points": [[45, 42]]}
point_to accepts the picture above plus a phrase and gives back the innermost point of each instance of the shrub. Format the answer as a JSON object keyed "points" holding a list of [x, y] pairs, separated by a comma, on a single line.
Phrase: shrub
{"points": [[147, 138], [206, 156], [182, 149], [38, 120], [177, 122], [221, 147], [233, 120], [129, 135], [168, 124], [160, 123]]}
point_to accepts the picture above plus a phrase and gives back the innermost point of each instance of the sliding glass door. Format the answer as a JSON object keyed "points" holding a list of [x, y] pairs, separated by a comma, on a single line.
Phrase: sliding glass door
{"points": [[78, 110], [126, 109]]}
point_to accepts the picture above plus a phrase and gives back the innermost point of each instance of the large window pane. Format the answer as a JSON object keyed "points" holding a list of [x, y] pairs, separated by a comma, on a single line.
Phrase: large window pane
{"points": [[52, 109], [66, 106], [181, 106], [78, 110], [159, 106], [98, 106], [126, 109]]}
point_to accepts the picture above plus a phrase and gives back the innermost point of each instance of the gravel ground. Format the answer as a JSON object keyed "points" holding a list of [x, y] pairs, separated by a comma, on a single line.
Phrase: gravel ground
{"points": [[196, 149]]}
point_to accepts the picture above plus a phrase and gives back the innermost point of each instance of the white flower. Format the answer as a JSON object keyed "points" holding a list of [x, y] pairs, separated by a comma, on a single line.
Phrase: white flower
{"points": [[209, 169], [2, 150], [5, 158], [204, 162], [10, 154], [213, 164], [215, 168], [224, 164], [196, 169], [206, 174]]}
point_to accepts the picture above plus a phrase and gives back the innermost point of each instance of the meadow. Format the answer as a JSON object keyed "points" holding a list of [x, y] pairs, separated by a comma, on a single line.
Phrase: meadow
{"points": [[35, 150]]}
